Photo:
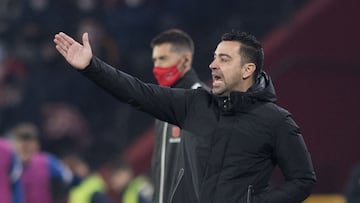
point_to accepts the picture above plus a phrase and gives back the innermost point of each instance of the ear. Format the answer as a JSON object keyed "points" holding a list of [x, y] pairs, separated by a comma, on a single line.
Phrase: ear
{"points": [[187, 59], [249, 69], [186, 62]]}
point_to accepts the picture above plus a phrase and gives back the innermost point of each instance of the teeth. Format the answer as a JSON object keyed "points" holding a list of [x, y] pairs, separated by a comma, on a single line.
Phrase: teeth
{"points": [[216, 77]]}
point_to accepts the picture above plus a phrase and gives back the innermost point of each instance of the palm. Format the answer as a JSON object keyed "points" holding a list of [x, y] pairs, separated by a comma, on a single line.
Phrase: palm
{"points": [[77, 55]]}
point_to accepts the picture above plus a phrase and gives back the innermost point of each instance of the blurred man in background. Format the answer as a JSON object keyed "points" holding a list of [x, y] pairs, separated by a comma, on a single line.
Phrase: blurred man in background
{"points": [[174, 165], [117, 184], [127, 186], [92, 188], [42, 173], [10, 171]]}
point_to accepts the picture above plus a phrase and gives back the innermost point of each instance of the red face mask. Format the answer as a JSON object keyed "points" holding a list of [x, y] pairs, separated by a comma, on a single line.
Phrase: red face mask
{"points": [[167, 76]]}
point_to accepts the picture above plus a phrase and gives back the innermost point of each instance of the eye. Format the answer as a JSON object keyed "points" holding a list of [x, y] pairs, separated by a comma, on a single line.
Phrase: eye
{"points": [[224, 59]]}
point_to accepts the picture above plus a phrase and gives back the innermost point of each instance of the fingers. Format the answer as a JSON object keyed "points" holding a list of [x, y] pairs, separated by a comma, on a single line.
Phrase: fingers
{"points": [[63, 41], [67, 39], [61, 50], [60, 45], [85, 39]]}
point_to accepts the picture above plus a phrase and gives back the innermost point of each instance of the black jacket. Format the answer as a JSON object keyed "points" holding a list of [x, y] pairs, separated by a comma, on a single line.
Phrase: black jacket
{"points": [[174, 164], [240, 138]]}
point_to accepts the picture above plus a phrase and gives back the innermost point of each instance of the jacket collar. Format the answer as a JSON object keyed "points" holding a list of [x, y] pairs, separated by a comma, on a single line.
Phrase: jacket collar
{"points": [[261, 91], [189, 81]]}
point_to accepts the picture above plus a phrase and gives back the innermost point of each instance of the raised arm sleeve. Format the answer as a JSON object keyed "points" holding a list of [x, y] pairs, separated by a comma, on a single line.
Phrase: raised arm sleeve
{"points": [[163, 103]]}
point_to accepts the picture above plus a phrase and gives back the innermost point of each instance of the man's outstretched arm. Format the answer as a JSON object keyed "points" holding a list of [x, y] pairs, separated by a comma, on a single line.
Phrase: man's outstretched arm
{"points": [[153, 99]]}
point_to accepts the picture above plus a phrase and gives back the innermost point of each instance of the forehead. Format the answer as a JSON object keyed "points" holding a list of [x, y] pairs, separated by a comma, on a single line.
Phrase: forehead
{"points": [[231, 48], [164, 48]]}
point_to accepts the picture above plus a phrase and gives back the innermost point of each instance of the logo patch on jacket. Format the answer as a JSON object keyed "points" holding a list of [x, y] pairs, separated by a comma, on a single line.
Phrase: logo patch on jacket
{"points": [[175, 135]]}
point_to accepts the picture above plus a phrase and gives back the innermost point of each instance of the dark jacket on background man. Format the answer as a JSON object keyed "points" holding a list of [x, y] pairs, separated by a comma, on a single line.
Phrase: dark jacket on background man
{"points": [[240, 138], [174, 164]]}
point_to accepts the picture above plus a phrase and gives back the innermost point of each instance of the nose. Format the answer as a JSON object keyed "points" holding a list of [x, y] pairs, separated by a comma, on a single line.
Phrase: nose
{"points": [[213, 65], [156, 63]]}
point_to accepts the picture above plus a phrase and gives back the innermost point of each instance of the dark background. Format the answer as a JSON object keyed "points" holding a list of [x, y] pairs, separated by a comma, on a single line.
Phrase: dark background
{"points": [[311, 52]]}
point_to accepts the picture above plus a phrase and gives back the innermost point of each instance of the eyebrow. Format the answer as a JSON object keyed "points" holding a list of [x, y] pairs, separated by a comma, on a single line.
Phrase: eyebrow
{"points": [[160, 57], [222, 55]]}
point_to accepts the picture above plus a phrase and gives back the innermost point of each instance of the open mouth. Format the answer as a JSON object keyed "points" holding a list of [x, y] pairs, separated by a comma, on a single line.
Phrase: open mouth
{"points": [[217, 80], [216, 77]]}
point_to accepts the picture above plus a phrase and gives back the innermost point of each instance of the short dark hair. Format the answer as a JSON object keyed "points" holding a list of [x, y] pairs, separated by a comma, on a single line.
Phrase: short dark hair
{"points": [[25, 131], [250, 51], [178, 38]]}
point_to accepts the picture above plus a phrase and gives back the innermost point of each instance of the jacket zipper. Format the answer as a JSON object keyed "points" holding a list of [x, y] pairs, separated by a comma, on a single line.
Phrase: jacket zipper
{"points": [[180, 175], [248, 198], [162, 163]]}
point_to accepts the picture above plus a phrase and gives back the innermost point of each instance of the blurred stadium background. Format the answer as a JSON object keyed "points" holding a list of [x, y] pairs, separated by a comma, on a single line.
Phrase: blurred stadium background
{"points": [[311, 52]]}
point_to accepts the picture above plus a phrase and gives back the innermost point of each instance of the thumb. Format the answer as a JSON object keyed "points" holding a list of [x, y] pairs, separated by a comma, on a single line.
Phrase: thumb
{"points": [[85, 40]]}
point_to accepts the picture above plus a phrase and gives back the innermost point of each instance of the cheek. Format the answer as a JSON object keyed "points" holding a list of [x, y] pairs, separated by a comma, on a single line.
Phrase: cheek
{"points": [[165, 63], [228, 74], [233, 77]]}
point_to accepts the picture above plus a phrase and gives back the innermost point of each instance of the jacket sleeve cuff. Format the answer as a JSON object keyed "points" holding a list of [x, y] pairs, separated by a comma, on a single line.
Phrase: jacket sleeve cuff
{"points": [[90, 67]]}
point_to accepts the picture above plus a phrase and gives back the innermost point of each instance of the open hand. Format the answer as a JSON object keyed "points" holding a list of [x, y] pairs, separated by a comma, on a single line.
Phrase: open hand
{"points": [[77, 55]]}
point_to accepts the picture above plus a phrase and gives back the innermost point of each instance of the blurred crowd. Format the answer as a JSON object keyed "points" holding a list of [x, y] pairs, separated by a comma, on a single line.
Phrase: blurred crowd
{"points": [[76, 121], [29, 175]]}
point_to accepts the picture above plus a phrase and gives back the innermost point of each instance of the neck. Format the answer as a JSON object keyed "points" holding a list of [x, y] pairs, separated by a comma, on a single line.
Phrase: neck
{"points": [[247, 83], [186, 69]]}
